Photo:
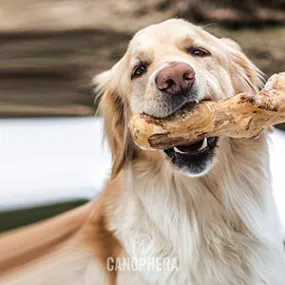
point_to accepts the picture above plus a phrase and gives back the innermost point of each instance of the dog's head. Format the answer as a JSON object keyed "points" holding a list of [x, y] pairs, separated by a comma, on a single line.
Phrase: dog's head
{"points": [[165, 67]]}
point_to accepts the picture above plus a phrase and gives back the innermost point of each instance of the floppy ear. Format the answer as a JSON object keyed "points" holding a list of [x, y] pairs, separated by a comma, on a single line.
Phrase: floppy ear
{"points": [[115, 113], [245, 75]]}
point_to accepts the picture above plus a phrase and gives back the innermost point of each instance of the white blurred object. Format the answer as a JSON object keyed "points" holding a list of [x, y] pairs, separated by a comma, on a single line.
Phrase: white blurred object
{"points": [[50, 160]]}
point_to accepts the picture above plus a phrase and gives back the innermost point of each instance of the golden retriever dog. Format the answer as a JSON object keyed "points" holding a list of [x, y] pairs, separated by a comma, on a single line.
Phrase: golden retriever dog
{"points": [[196, 214]]}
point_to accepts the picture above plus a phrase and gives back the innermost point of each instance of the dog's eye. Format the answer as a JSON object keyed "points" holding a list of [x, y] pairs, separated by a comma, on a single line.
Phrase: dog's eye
{"points": [[139, 71], [198, 52]]}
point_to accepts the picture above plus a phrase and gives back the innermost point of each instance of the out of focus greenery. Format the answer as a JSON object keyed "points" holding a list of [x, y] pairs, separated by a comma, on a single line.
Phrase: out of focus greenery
{"points": [[13, 219]]}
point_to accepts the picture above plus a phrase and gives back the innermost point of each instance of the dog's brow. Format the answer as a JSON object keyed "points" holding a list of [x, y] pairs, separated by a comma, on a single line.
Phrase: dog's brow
{"points": [[141, 54], [187, 39]]}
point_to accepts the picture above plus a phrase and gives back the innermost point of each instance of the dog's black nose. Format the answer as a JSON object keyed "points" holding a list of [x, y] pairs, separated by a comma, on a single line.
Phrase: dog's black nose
{"points": [[176, 78]]}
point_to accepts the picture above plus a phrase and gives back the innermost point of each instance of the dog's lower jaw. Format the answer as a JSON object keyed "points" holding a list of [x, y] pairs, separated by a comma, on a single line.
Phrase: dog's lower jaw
{"points": [[194, 159], [221, 228]]}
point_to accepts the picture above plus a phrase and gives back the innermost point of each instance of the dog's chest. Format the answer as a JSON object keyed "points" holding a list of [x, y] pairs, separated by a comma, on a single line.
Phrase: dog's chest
{"points": [[183, 253], [191, 239]]}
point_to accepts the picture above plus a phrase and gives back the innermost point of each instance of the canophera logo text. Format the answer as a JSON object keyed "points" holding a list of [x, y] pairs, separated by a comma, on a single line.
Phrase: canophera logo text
{"points": [[143, 260], [153, 264]]}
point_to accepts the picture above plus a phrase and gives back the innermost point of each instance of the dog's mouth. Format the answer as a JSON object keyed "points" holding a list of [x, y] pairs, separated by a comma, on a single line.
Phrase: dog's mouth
{"points": [[206, 145], [194, 158]]}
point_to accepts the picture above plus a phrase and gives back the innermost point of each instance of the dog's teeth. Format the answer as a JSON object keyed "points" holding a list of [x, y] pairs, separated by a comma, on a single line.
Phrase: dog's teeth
{"points": [[197, 101], [178, 150], [205, 144]]}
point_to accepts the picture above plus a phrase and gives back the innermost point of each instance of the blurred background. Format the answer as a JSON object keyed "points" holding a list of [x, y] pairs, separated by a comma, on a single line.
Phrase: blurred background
{"points": [[51, 156], [49, 49]]}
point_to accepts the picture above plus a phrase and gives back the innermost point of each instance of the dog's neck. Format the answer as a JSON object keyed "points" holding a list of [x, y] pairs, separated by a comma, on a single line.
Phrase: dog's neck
{"points": [[236, 187]]}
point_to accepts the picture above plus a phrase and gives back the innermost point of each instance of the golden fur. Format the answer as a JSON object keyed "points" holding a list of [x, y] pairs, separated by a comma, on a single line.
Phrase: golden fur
{"points": [[222, 227]]}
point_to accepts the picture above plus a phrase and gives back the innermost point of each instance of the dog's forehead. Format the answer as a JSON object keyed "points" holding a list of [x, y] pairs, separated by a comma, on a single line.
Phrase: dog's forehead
{"points": [[168, 32]]}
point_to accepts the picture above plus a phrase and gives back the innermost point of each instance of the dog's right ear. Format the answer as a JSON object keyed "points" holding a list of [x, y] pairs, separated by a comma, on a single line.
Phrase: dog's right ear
{"points": [[115, 113], [245, 75], [232, 44]]}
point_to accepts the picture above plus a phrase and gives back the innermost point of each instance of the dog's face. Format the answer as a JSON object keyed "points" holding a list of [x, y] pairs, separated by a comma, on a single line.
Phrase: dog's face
{"points": [[167, 66]]}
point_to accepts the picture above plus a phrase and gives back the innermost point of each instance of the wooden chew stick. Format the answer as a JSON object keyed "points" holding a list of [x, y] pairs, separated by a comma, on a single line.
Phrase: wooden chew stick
{"points": [[241, 116]]}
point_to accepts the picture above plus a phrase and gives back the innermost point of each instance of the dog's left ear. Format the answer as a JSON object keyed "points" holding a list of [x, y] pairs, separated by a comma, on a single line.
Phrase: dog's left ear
{"points": [[245, 75], [115, 113]]}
